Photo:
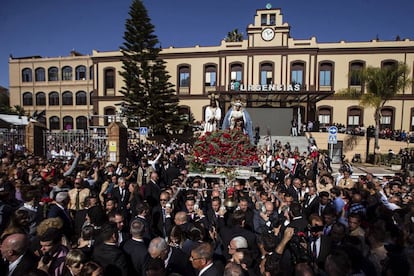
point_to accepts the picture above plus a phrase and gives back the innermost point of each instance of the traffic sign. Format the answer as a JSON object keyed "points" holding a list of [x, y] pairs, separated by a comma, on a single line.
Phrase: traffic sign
{"points": [[333, 130], [332, 139], [143, 130]]}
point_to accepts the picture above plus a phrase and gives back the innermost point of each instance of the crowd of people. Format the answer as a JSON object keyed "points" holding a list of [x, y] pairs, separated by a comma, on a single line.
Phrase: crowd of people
{"points": [[151, 216]]}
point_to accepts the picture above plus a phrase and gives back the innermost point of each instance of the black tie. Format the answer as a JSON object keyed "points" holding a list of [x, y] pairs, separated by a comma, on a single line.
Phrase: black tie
{"points": [[122, 194], [77, 202], [314, 249]]}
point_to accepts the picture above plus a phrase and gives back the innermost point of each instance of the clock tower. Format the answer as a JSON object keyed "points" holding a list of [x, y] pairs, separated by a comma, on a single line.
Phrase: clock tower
{"points": [[268, 29]]}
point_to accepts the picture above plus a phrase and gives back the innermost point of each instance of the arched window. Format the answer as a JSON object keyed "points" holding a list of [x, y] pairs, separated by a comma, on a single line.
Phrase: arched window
{"points": [[109, 115], [80, 72], [81, 98], [67, 123], [54, 123], [266, 73], [387, 118], [40, 74], [298, 74], [27, 98], [54, 98], [354, 69], [67, 73], [67, 98], [354, 117], [40, 98], [81, 123], [210, 75], [391, 64], [325, 115], [184, 79], [325, 74], [109, 81], [52, 74], [26, 75], [236, 72], [91, 72], [236, 76]]}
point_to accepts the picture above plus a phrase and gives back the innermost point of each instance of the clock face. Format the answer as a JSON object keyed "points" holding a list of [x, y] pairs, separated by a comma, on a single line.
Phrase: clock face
{"points": [[268, 34]]}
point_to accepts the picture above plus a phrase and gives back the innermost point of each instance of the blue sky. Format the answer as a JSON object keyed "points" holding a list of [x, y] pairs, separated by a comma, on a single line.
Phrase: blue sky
{"points": [[54, 28]]}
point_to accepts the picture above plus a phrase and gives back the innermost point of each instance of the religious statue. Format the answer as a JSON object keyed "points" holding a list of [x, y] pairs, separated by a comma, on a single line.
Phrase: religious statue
{"points": [[212, 116], [237, 118]]}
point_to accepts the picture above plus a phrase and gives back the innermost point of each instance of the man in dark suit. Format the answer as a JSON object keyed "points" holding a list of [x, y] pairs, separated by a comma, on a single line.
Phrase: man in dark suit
{"points": [[118, 218], [135, 248], [59, 210], [121, 194], [177, 260], [19, 260], [161, 216], [202, 260], [310, 202], [320, 245], [296, 219], [152, 191], [295, 190], [108, 254]]}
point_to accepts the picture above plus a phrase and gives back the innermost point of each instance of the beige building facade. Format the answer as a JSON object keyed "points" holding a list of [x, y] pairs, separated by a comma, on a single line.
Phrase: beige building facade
{"points": [[269, 70]]}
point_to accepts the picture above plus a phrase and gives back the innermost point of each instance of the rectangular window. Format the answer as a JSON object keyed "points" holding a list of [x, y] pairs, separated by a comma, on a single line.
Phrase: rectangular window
{"points": [[297, 77], [210, 79], [264, 19], [273, 19], [325, 78], [353, 120], [184, 79], [385, 120], [236, 75], [324, 119], [266, 77]]}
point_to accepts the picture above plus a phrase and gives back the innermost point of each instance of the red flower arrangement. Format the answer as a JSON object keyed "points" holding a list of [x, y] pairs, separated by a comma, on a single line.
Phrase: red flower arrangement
{"points": [[223, 148]]}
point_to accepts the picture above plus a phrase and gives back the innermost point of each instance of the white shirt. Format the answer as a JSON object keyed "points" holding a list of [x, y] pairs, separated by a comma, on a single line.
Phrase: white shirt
{"points": [[318, 246], [205, 268], [13, 265]]}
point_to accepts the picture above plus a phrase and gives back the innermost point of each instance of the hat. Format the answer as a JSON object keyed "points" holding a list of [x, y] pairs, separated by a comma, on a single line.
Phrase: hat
{"points": [[61, 196]]}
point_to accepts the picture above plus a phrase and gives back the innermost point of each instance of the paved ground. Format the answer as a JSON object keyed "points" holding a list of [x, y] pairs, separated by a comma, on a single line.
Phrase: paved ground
{"points": [[363, 168]]}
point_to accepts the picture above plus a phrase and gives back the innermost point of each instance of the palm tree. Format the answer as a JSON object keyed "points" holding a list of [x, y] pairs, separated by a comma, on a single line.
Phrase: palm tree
{"points": [[234, 36], [382, 84], [19, 110]]}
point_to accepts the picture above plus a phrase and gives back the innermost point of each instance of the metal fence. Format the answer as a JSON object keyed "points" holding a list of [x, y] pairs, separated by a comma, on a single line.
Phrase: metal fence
{"points": [[63, 144], [12, 140]]}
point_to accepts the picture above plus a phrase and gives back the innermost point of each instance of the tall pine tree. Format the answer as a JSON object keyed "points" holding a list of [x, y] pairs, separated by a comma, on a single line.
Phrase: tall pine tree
{"points": [[147, 90]]}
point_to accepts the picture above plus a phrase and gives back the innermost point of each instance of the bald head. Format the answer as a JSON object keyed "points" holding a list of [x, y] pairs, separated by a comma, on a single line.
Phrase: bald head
{"points": [[14, 246]]}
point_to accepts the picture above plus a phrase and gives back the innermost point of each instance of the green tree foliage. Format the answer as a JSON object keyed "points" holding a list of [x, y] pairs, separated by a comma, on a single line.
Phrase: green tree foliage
{"points": [[382, 84], [147, 90], [234, 36]]}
